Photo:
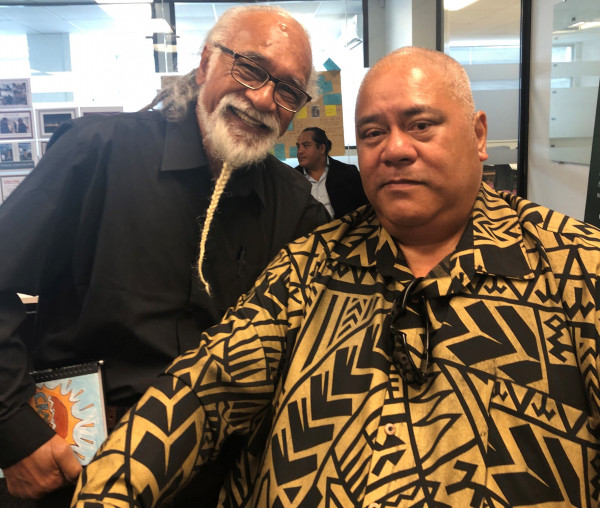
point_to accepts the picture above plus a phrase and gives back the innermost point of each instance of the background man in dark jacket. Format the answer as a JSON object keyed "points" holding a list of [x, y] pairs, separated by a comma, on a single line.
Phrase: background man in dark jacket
{"points": [[335, 184]]}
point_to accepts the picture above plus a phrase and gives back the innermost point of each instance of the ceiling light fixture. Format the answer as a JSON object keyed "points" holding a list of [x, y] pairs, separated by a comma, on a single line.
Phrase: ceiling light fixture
{"points": [[352, 43], [584, 25]]}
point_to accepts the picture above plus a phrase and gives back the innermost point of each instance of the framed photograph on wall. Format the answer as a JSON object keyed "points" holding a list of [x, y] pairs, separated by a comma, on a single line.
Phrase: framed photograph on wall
{"points": [[15, 93], [50, 119], [17, 155], [9, 183], [16, 124], [96, 110], [43, 145]]}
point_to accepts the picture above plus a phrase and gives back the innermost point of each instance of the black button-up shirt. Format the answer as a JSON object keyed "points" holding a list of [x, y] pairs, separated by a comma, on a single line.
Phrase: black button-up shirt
{"points": [[106, 231]]}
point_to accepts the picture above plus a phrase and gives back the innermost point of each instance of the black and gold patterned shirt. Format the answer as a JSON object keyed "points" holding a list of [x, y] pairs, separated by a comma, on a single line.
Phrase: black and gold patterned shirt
{"points": [[508, 415]]}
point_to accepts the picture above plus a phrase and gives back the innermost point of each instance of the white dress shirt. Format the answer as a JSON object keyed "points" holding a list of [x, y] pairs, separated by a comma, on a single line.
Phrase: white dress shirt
{"points": [[319, 190]]}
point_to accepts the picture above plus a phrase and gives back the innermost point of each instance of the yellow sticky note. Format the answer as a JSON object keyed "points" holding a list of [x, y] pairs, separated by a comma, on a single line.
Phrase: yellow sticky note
{"points": [[302, 113], [331, 110]]}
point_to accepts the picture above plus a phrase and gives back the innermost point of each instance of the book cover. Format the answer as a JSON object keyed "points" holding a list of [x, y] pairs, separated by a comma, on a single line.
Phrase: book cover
{"points": [[71, 400]]}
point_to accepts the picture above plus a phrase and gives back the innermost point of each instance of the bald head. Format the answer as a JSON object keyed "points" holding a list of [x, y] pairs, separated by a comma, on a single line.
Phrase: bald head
{"points": [[449, 70]]}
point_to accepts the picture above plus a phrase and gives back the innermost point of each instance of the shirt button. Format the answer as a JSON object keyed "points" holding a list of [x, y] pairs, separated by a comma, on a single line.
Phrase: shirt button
{"points": [[390, 429]]}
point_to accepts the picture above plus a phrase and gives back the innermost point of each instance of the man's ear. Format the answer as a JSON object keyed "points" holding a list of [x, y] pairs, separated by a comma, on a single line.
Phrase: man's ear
{"points": [[202, 69], [480, 126]]}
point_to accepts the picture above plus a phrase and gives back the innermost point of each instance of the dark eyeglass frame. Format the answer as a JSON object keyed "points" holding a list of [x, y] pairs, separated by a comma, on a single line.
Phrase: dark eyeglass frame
{"points": [[401, 355], [269, 77]]}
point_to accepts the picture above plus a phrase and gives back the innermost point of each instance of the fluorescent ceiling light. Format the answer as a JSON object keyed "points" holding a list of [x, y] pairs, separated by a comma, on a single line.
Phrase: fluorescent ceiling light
{"points": [[355, 41], [584, 25], [457, 5], [566, 31]]}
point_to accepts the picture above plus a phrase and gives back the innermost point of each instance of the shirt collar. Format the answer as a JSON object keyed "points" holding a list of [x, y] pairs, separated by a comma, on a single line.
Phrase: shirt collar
{"points": [[492, 244], [323, 176], [497, 238], [184, 150], [183, 144]]}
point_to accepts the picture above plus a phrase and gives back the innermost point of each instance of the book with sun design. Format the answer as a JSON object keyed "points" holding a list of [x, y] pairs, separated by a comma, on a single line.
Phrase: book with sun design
{"points": [[71, 400]]}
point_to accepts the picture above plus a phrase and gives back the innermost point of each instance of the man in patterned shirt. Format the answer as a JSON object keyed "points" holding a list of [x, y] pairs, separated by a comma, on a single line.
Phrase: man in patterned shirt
{"points": [[436, 349]]}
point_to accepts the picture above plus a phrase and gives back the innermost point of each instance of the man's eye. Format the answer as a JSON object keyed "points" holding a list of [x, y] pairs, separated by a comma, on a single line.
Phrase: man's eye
{"points": [[371, 134], [248, 71]]}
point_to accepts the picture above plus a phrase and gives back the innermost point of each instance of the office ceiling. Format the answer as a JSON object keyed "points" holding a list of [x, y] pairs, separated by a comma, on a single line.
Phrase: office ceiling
{"points": [[68, 16], [486, 19]]}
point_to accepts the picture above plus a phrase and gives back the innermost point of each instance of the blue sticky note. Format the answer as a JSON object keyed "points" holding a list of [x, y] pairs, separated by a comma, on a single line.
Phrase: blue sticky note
{"points": [[293, 152], [330, 65], [320, 81], [279, 151], [291, 126], [332, 99], [326, 86]]}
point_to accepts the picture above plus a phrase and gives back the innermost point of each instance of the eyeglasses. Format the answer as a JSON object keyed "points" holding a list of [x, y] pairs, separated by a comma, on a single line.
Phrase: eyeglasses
{"points": [[248, 73], [404, 353]]}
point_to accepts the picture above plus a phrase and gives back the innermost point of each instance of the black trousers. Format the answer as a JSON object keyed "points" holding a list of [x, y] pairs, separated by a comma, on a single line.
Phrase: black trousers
{"points": [[59, 499], [192, 496], [8, 501]]}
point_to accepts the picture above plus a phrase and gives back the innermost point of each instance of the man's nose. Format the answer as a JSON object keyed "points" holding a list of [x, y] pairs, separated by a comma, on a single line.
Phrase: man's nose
{"points": [[399, 147], [262, 98]]}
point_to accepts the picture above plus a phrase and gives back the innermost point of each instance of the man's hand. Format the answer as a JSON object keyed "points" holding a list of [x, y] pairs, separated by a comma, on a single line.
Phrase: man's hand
{"points": [[51, 466]]}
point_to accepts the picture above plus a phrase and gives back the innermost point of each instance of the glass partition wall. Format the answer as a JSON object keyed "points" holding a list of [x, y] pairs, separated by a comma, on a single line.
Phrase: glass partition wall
{"points": [[574, 79], [485, 37]]}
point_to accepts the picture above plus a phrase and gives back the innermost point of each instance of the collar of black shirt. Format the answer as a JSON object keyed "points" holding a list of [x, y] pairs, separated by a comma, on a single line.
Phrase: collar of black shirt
{"points": [[184, 150]]}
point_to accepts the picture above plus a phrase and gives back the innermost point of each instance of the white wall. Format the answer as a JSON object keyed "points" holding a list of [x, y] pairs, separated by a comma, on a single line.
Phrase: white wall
{"points": [[560, 186]]}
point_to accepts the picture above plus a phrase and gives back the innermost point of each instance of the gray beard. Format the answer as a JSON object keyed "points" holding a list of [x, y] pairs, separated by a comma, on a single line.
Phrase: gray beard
{"points": [[232, 144]]}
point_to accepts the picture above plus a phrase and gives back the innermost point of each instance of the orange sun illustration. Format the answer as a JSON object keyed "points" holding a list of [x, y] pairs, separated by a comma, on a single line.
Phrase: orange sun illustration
{"points": [[56, 410]]}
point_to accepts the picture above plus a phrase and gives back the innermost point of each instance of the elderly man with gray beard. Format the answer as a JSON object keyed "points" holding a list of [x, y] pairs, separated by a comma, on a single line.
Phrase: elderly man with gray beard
{"points": [[112, 225]]}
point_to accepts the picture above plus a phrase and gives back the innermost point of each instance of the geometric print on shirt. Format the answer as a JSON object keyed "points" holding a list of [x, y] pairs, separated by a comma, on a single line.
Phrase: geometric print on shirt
{"points": [[508, 416]]}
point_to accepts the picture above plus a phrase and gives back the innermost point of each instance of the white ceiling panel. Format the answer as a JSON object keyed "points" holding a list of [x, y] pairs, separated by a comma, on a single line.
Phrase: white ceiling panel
{"points": [[484, 19]]}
